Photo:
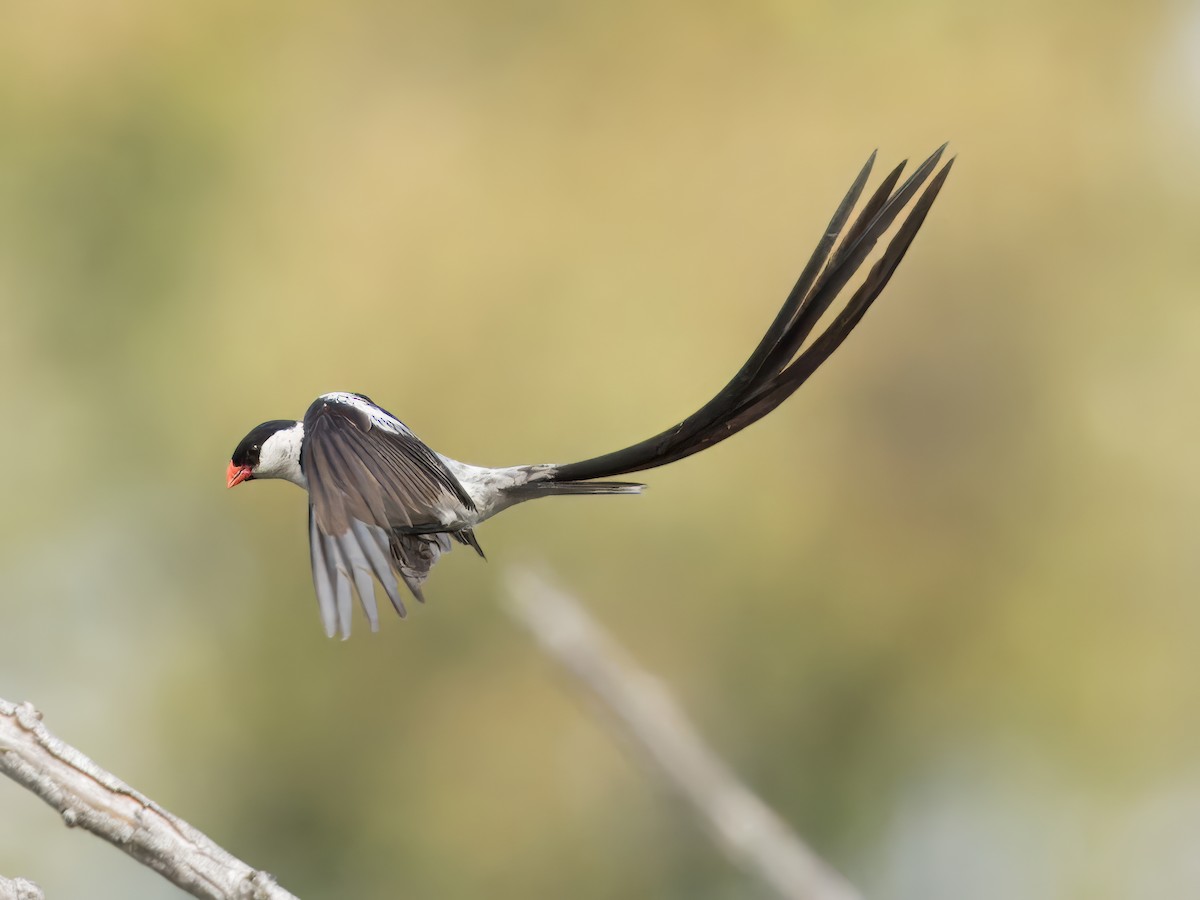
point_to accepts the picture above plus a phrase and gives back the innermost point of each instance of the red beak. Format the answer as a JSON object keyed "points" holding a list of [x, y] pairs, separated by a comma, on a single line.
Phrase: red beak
{"points": [[237, 474]]}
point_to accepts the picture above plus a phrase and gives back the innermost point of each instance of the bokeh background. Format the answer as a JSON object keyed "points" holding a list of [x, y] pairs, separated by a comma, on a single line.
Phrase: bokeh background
{"points": [[940, 609]]}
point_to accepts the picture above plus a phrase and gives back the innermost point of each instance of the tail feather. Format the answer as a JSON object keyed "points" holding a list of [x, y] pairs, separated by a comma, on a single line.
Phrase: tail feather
{"points": [[774, 371], [533, 489]]}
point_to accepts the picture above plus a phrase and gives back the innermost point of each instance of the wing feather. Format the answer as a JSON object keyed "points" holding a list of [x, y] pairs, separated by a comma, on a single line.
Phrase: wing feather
{"points": [[378, 499], [323, 576], [344, 600], [360, 569], [373, 541]]}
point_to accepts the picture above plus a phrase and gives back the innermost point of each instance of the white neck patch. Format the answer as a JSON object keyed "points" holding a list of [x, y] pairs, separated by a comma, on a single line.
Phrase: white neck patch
{"points": [[280, 456]]}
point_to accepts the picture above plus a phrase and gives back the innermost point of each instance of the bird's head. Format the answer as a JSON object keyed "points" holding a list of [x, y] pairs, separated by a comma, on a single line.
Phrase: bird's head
{"points": [[270, 450]]}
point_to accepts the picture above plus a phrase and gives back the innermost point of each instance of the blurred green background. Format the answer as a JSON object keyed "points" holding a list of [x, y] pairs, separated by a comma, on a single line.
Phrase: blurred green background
{"points": [[940, 609]]}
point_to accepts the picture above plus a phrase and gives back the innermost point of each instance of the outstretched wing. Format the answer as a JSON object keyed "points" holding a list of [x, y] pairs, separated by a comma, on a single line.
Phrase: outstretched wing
{"points": [[381, 505]]}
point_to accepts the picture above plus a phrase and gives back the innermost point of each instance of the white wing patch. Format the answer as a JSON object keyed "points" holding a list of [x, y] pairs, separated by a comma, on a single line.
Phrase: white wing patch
{"points": [[378, 417]]}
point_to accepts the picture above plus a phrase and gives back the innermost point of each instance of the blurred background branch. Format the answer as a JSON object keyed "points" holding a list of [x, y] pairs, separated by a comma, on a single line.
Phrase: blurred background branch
{"points": [[748, 831], [93, 799], [19, 889], [744, 827]]}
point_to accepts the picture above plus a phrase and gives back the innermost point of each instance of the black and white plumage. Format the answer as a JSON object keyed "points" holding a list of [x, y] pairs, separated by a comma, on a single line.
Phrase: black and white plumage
{"points": [[384, 507]]}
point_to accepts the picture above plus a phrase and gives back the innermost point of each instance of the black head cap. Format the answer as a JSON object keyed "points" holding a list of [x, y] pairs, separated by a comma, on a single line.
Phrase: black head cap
{"points": [[248, 451]]}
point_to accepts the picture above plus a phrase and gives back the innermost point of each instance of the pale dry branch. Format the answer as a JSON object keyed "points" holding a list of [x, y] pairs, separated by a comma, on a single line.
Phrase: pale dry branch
{"points": [[745, 828], [90, 798], [19, 889]]}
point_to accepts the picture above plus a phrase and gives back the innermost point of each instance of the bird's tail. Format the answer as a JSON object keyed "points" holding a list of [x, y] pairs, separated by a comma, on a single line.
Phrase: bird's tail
{"points": [[779, 365], [534, 489]]}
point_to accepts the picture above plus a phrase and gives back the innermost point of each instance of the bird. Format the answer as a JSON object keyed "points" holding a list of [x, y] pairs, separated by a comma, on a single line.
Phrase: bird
{"points": [[384, 506]]}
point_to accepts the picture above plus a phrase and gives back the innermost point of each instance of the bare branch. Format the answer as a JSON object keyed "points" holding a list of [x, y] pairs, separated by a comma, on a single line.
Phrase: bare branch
{"points": [[753, 836], [93, 799], [19, 889]]}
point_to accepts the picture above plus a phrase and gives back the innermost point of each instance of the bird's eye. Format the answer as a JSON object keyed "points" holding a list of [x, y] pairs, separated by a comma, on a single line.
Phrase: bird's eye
{"points": [[254, 446]]}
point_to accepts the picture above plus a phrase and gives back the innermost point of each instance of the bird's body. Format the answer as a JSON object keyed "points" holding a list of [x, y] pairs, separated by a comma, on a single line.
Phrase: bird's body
{"points": [[383, 504]]}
